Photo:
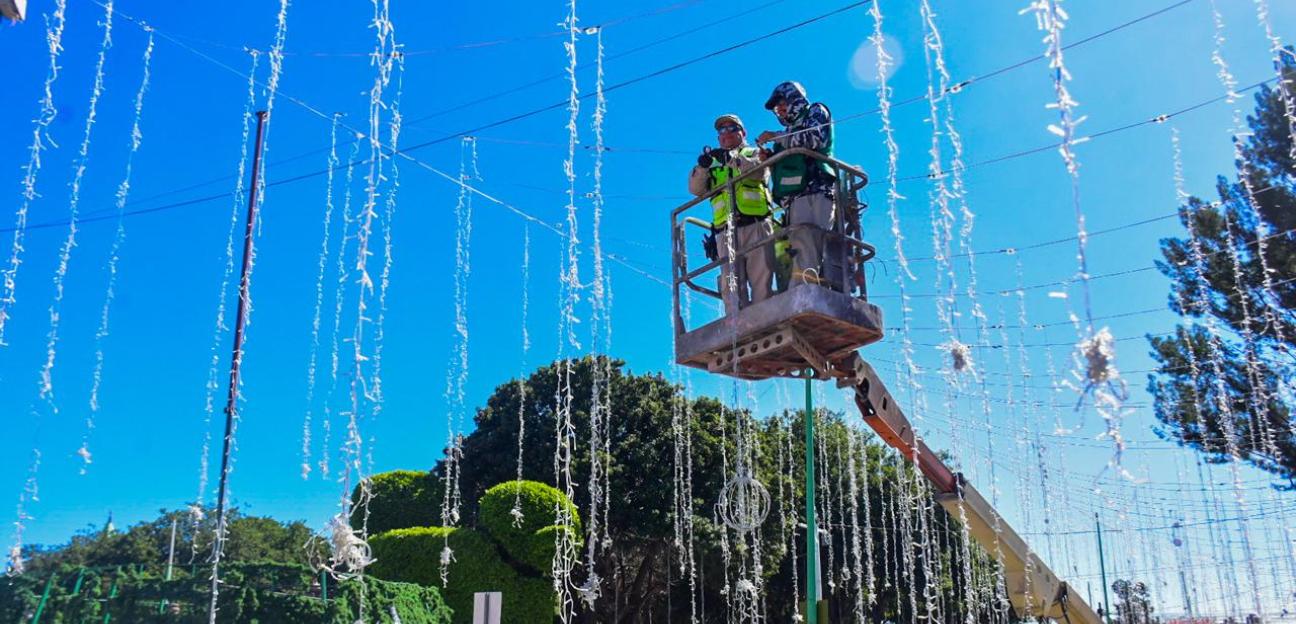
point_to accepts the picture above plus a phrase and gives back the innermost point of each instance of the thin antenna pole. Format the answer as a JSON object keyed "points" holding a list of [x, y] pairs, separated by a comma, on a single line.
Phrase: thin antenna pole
{"points": [[236, 360]]}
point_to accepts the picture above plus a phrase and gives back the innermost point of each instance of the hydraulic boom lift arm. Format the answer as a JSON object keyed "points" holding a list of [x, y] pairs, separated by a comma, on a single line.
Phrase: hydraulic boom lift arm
{"points": [[1032, 587]]}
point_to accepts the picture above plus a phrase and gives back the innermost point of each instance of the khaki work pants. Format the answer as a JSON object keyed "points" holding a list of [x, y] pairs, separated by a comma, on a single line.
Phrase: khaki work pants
{"points": [[808, 244], [752, 271]]}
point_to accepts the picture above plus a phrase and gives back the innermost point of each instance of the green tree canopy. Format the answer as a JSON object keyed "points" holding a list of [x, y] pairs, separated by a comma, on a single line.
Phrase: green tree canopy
{"points": [[252, 539], [1229, 391], [644, 561]]}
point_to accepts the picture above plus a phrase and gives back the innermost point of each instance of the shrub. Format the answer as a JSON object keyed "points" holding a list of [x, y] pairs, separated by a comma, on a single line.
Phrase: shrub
{"points": [[524, 543], [400, 499], [281, 593], [413, 555], [539, 547]]}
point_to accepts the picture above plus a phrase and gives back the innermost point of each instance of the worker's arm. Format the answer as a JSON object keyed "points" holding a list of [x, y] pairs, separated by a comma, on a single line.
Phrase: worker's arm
{"points": [[699, 181], [816, 128]]}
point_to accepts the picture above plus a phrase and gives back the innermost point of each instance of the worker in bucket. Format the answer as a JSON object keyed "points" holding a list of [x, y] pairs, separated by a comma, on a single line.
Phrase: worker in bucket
{"points": [[749, 223], [803, 186]]}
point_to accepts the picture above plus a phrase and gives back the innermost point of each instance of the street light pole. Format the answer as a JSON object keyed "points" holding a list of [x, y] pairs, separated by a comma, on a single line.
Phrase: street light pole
{"points": [[236, 361], [812, 527]]}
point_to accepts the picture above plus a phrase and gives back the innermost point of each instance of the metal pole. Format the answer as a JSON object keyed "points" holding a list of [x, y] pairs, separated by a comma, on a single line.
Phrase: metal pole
{"points": [[812, 528], [40, 607], [1102, 568], [162, 605], [112, 593], [171, 552], [236, 360]]}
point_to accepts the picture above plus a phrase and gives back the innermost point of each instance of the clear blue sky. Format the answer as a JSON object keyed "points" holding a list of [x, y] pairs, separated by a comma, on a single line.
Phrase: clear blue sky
{"points": [[149, 432]]}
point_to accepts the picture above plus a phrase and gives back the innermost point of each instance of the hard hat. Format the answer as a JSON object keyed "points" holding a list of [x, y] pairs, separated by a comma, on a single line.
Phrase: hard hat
{"points": [[729, 118]]}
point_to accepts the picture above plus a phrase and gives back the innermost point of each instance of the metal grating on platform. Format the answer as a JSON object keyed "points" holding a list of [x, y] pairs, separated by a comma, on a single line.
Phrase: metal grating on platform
{"points": [[806, 327]]}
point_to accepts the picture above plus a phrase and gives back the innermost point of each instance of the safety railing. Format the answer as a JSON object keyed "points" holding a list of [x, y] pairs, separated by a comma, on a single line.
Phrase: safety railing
{"points": [[843, 249]]}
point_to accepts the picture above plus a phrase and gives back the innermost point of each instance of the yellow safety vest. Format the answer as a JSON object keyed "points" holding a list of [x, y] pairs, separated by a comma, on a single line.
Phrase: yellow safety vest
{"points": [[753, 197]]}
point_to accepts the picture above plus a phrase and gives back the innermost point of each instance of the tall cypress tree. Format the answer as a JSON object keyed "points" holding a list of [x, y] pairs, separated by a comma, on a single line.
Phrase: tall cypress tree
{"points": [[1224, 383]]}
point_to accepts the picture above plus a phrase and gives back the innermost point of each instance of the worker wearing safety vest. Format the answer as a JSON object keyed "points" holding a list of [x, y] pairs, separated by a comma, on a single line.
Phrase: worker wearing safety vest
{"points": [[802, 185], [750, 208]]}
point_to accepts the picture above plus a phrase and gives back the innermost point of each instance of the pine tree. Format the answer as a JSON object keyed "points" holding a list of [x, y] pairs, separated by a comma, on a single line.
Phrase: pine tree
{"points": [[1224, 384]]}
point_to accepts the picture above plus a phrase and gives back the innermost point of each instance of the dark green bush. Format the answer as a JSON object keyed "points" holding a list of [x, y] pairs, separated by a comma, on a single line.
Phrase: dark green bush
{"points": [[400, 499], [538, 503], [414, 556], [251, 594]]}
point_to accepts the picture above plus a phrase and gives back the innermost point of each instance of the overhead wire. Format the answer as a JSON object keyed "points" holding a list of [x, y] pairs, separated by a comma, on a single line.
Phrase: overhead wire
{"points": [[474, 131], [392, 152]]}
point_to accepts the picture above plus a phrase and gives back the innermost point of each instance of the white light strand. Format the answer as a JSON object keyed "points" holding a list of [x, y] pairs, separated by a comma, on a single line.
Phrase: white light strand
{"points": [[599, 388], [114, 252], [1051, 18], [54, 25], [45, 383], [16, 564], [1217, 372], [517, 512], [394, 126], [343, 279], [74, 210], [325, 251], [1269, 298], [349, 550], [1279, 63], [457, 371], [602, 278], [569, 293], [909, 377], [276, 55]]}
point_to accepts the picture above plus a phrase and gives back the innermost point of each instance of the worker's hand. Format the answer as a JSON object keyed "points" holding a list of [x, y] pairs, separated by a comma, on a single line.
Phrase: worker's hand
{"points": [[766, 136], [704, 159], [765, 153], [721, 155]]}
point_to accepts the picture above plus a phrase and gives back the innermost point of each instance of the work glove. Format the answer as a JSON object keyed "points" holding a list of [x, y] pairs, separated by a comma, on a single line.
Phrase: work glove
{"points": [[710, 248], [721, 155], [704, 159]]}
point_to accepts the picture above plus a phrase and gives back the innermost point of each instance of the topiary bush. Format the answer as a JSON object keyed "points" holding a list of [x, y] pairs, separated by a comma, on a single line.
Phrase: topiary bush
{"points": [[537, 550], [413, 555], [400, 499], [531, 542]]}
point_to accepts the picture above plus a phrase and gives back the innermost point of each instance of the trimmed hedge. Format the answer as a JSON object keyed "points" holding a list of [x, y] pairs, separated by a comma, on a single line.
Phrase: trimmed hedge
{"points": [[413, 555], [532, 541], [400, 499], [251, 593]]}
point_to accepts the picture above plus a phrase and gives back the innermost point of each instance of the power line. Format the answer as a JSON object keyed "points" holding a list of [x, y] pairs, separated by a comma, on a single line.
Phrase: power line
{"points": [[911, 100], [551, 77], [474, 45], [1068, 281], [464, 133]]}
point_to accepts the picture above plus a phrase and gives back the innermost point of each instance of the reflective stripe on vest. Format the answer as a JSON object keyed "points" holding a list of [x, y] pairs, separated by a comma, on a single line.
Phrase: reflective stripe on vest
{"points": [[753, 198]]}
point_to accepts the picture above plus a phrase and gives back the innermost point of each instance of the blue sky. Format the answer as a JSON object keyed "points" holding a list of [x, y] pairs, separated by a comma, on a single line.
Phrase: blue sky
{"points": [[147, 443]]}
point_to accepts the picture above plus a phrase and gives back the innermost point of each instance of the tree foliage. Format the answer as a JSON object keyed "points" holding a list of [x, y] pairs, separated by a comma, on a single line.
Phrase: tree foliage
{"points": [[251, 539], [1229, 391], [641, 562], [281, 593], [1133, 603]]}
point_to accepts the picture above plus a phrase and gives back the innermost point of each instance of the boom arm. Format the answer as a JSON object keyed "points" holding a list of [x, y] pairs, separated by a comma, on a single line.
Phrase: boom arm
{"points": [[1032, 587]]}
